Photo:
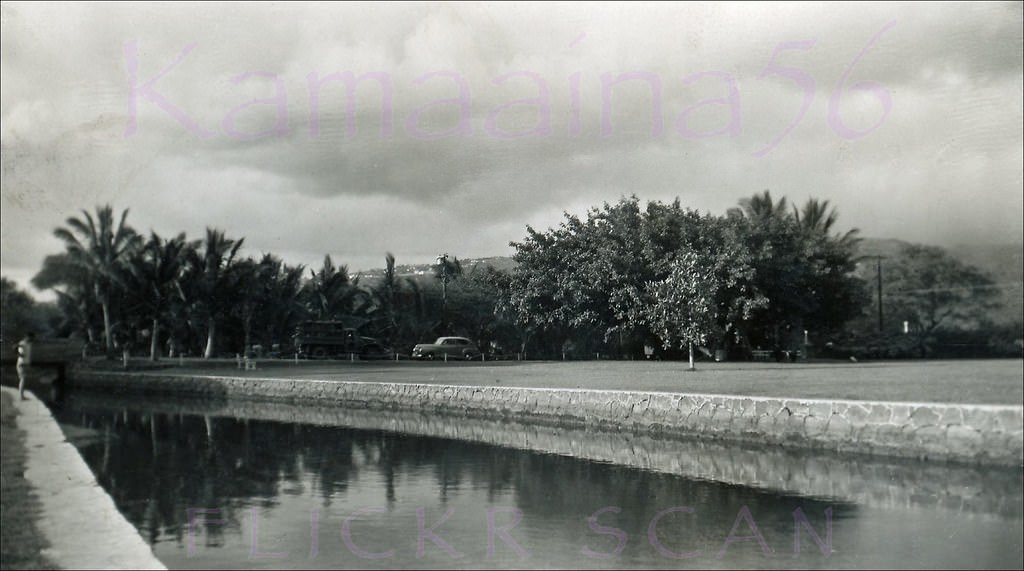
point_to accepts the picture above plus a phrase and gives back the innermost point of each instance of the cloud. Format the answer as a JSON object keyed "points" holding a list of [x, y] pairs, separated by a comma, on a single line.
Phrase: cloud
{"points": [[935, 155]]}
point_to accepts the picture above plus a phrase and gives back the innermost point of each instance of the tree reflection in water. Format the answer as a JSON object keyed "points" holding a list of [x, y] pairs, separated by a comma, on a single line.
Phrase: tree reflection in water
{"points": [[156, 466]]}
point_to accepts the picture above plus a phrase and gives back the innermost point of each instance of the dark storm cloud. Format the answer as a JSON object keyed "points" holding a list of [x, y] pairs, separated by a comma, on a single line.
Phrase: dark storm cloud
{"points": [[940, 163]]}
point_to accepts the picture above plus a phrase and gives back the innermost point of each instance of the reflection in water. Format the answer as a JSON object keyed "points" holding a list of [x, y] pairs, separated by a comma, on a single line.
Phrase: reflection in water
{"points": [[214, 491]]}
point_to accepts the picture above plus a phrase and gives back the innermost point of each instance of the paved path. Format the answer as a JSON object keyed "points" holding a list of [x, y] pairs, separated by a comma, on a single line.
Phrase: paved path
{"points": [[84, 528]]}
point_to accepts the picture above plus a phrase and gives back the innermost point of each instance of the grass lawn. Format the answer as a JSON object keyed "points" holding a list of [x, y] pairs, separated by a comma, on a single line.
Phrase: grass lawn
{"points": [[22, 541], [988, 381]]}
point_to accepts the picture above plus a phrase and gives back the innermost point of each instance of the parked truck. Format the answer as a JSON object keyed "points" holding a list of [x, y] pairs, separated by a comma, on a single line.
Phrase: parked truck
{"points": [[333, 340]]}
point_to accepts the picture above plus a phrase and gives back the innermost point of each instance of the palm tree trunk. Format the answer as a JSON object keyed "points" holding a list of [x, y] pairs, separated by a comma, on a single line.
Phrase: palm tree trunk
{"points": [[212, 329], [107, 337], [692, 368], [247, 327], [154, 344]]}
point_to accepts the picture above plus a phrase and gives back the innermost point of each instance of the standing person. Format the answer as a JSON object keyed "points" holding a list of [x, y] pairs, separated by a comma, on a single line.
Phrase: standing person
{"points": [[24, 362]]}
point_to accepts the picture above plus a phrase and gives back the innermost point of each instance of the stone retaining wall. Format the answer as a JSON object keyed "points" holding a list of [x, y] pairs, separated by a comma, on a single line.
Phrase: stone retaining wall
{"points": [[981, 434]]}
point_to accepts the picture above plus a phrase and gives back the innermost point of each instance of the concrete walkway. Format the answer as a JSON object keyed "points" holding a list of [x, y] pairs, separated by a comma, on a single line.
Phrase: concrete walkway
{"points": [[78, 518]]}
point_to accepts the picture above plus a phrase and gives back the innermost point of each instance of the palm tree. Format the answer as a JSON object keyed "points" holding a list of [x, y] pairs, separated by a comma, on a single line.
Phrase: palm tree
{"points": [[385, 295], [762, 207], [98, 248], [153, 280], [268, 301], [215, 280], [284, 299], [329, 292], [817, 219]]}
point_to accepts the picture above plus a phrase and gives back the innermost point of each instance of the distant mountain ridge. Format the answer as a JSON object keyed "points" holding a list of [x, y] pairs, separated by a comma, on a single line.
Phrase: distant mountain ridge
{"points": [[1003, 262], [468, 264]]}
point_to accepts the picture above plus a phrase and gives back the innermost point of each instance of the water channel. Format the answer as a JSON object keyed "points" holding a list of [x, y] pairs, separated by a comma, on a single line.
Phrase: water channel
{"points": [[256, 485]]}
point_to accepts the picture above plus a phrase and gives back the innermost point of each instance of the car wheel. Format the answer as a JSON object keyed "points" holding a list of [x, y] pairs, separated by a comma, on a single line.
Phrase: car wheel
{"points": [[468, 355], [429, 356], [319, 353]]}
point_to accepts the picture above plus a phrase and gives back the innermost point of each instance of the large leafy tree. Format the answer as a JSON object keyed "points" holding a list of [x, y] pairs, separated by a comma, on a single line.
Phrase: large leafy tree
{"points": [[590, 276], [931, 290], [685, 304], [804, 269], [710, 290], [97, 249], [21, 314], [586, 276], [75, 299], [551, 288]]}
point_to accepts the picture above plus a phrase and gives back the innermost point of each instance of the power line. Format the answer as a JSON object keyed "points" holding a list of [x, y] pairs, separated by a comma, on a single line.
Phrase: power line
{"points": [[957, 288]]}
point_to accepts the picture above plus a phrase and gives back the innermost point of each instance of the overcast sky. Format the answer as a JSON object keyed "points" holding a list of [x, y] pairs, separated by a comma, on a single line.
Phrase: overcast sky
{"points": [[471, 121]]}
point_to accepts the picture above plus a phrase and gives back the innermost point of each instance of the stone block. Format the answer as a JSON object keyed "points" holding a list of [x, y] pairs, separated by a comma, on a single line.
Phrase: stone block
{"points": [[1011, 420], [950, 414], [815, 425], [766, 407], [963, 439], [797, 408], [821, 409], [924, 416], [839, 427], [931, 437], [888, 434], [790, 423], [879, 413], [980, 418], [900, 413]]}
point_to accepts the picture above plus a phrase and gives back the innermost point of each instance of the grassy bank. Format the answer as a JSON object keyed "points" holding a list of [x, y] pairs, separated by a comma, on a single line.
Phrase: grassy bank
{"points": [[983, 381], [22, 541]]}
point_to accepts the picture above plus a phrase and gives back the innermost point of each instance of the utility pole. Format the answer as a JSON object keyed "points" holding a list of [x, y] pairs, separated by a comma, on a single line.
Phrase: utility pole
{"points": [[878, 266], [442, 261], [880, 320]]}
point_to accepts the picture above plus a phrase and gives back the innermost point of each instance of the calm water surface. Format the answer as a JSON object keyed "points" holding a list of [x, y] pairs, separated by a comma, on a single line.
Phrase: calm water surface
{"points": [[224, 492]]}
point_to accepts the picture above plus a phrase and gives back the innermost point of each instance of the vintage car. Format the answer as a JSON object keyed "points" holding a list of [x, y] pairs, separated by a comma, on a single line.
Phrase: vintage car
{"points": [[452, 347]]}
